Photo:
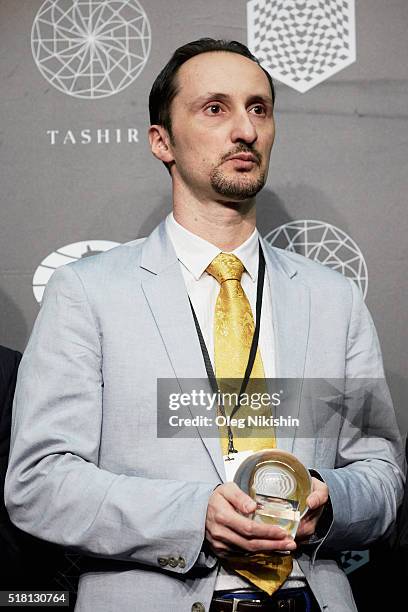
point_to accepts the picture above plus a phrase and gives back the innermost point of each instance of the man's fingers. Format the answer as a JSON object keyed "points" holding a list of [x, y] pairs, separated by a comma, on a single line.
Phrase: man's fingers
{"points": [[219, 547], [224, 516], [248, 528], [306, 529], [316, 499], [222, 510], [225, 540], [227, 528], [237, 498], [319, 495], [308, 524]]}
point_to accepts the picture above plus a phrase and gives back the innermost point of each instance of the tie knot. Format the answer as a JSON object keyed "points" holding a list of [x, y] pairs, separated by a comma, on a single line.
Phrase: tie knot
{"points": [[226, 266]]}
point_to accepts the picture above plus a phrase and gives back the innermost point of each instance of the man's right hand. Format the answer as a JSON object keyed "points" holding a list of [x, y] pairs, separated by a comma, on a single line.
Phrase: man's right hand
{"points": [[228, 529]]}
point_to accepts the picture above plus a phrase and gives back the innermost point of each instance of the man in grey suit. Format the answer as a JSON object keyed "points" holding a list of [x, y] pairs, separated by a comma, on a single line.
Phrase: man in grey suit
{"points": [[153, 516]]}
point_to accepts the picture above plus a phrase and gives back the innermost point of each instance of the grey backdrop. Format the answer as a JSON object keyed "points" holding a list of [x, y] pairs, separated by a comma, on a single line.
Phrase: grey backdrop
{"points": [[340, 156]]}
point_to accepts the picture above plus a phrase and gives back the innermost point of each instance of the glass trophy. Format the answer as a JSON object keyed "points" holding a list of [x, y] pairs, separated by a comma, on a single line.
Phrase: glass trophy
{"points": [[280, 485]]}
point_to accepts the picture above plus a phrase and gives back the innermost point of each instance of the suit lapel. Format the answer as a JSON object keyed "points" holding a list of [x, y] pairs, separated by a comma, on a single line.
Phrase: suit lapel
{"points": [[166, 294], [165, 291], [291, 321]]}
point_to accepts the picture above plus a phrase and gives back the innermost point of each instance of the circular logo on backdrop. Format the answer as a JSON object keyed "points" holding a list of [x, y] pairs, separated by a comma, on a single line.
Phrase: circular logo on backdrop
{"points": [[324, 243], [64, 255], [91, 48], [302, 42]]}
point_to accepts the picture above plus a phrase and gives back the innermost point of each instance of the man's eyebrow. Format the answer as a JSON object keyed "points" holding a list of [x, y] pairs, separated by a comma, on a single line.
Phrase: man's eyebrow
{"points": [[210, 95], [260, 98], [214, 95]]}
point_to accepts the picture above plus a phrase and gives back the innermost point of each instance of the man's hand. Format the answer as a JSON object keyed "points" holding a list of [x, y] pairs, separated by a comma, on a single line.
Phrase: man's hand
{"points": [[227, 530], [315, 501]]}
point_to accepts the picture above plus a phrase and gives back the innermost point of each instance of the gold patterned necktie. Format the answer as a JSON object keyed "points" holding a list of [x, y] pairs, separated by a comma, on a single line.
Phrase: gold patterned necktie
{"points": [[233, 333]]}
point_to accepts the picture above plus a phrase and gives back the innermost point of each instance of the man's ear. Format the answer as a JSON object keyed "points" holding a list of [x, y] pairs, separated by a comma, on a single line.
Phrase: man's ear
{"points": [[160, 143]]}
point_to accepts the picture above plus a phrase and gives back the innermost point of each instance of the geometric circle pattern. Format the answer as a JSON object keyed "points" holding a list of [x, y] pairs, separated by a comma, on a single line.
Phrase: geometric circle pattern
{"points": [[302, 43], [64, 255], [91, 48], [324, 243]]}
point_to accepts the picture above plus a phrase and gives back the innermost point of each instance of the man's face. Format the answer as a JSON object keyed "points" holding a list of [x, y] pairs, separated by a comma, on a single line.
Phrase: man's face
{"points": [[222, 126]]}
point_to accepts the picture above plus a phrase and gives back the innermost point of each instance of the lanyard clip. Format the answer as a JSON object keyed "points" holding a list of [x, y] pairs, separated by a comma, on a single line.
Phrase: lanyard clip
{"points": [[231, 448]]}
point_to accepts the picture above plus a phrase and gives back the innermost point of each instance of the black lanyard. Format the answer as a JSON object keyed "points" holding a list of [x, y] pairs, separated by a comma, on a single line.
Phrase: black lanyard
{"points": [[252, 353]]}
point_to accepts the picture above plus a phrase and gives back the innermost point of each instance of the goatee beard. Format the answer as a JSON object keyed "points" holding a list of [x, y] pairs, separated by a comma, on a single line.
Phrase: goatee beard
{"points": [[235, 188]]}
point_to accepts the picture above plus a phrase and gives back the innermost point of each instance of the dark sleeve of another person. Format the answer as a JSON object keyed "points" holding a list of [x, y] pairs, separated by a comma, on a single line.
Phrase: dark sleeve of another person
{"points": [[401, 543], [9, 544], [25, 561]]}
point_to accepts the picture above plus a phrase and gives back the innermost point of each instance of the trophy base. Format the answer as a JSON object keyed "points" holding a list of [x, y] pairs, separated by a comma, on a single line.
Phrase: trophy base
{"points": [[277, 511]]}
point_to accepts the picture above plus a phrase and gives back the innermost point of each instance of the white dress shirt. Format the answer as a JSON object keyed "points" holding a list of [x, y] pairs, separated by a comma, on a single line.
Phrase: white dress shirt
{"points": [[195, 254]]}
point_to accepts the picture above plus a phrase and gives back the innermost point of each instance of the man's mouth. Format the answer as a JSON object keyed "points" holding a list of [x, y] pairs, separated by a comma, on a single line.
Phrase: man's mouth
{"points": [[246, 157]]}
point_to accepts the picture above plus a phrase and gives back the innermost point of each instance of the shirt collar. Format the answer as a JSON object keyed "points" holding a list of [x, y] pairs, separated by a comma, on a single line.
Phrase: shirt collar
{"points": [[196, 254]]}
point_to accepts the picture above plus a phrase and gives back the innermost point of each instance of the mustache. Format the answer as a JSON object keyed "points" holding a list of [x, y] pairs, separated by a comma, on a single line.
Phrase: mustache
{"points": [[242, 148]]}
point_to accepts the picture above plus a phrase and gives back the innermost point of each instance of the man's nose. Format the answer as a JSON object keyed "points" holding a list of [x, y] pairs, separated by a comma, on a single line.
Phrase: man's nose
{"points": [[243, 129]]}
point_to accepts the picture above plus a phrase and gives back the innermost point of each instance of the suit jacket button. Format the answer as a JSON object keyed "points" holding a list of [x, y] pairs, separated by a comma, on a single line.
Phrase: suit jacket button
{"points": [[197, 607], [182, 562], [162, 561], [173, 562]]}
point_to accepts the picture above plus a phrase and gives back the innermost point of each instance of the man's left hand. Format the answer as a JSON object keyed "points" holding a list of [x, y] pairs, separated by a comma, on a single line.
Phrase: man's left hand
{"points": [[315, 502]]}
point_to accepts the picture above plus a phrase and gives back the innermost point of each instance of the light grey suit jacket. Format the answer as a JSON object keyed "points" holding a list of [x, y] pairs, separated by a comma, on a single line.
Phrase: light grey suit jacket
{"points": [[86, 467]]}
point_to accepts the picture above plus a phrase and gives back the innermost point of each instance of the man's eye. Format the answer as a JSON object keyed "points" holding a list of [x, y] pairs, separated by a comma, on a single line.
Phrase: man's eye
{"points": [[214, 109], [258, 109]]}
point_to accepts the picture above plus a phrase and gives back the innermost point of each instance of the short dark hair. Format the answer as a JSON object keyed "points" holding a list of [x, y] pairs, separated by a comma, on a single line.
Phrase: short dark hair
{"points": [[165, 88]]}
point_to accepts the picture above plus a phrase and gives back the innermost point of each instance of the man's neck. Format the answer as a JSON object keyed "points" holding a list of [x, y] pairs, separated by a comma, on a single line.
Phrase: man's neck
{"points": [[227, 226]]}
